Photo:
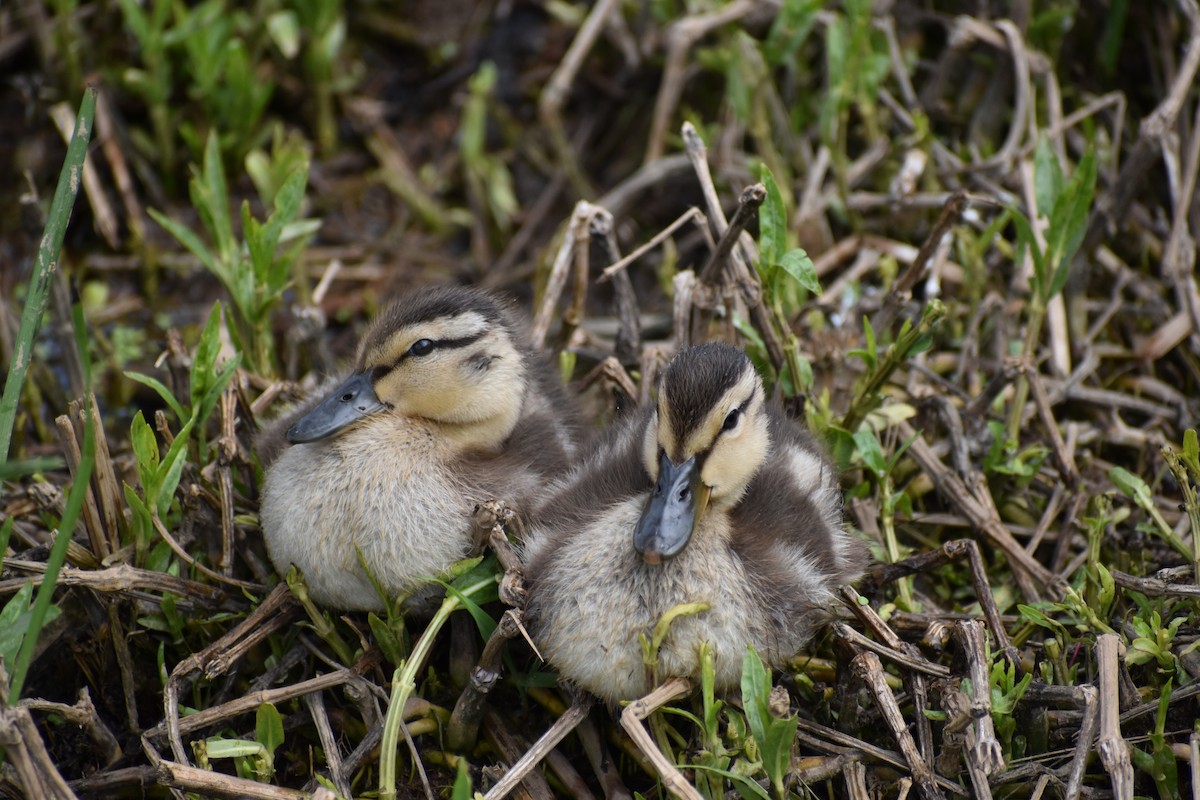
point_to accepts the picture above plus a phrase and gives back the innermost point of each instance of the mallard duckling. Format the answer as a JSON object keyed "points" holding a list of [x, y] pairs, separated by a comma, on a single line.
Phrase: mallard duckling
{"points": [[445, 409], [713, 497]]}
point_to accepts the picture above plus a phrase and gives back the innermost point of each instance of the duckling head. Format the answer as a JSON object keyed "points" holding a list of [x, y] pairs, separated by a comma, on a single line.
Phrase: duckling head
{"points": [[705, 440], [447, 355]]}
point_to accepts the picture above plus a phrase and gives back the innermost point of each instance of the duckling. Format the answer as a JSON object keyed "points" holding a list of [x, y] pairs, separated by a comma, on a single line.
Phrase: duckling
{"points": [[445, 408], [711, 496]]}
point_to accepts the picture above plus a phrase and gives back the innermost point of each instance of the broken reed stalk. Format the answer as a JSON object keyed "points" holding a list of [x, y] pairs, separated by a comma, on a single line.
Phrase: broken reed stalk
{"points": [[631, 721], [1111, 745], [985, 757], [38, 296], [555, 734], [870, 671]]}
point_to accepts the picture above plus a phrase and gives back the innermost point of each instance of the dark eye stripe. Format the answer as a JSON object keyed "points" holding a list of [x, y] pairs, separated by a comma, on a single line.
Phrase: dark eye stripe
{"points": [[442, 344]]}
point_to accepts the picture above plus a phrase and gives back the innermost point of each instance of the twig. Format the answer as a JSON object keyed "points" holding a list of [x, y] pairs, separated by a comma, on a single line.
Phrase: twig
{"points": [[1155, 587], [1111, 745], [135, 217], [693, 215], [91, 511], [1066, 464], [915, 663], [561, 727], [984, 517], [867, 667], [185, 557], [216, 784], [252, 700], [123, 579], [1113, 205], [1083, 747], [555, 94], [463, 727], [631, 721], [901, 292], [333, 754], [680, 36], [83, 714], [575, 233], [106, 220], [983, 748], [535, 786], [830, 740], [227, 450]]}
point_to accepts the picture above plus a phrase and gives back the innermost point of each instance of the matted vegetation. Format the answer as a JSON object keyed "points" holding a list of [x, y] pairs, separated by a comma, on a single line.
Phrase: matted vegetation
{"points": [[968, 262]]}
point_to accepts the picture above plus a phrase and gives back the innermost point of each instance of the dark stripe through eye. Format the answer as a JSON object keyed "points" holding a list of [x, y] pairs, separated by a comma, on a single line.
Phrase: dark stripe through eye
{"points": [[423, 347]]}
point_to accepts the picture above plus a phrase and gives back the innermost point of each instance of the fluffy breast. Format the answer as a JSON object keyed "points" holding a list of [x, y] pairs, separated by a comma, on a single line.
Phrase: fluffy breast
{"points": [[591, 596], [380, 492]]}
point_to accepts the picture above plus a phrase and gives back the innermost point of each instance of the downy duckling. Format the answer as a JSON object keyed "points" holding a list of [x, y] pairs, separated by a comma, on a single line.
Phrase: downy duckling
{"points": [[445, 408], [712, 496]]}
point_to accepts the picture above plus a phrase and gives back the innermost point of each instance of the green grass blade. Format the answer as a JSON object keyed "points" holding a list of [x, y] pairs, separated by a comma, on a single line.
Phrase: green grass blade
{"points": [[58, 555], [43, 270]]}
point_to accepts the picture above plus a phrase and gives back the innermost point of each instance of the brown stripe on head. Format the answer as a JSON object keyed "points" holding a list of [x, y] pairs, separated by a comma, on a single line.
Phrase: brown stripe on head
{"points": [[458, 306], [695, 383]]}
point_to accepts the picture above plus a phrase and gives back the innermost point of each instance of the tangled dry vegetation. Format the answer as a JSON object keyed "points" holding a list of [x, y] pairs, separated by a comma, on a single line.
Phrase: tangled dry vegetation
{"points": [[962, 246]]}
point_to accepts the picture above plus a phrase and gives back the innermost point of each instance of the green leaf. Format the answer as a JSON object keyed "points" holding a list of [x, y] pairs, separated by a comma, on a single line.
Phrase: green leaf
{"points": [[462, 782], [1130, 485], [1068, 222], [797, 264], [745, 787], [790, 28], [1026, 240], [205, 360], [163, 392], [479, 570], [171, 469], [777, 751], [1031, 614], [268, 727], [12, 631], [284, 29], [145, 451], [868, 447], [1191, 453], [391, 645], [210, 196], [1047, 177], [756, 688], [189, 240], [772, 226]]}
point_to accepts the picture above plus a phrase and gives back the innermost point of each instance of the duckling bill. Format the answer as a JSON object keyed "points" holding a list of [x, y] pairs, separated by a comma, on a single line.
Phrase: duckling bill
{"points": [[708, 497], [445, 408]]}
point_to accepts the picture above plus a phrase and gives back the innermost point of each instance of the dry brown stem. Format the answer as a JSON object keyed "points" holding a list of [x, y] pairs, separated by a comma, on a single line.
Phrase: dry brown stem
{"points": [[1112, 747], [868, 669], [631, 721]]}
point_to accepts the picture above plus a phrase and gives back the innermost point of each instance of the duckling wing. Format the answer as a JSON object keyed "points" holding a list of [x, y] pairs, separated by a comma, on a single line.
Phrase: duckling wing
{"points": [[788, 527]]}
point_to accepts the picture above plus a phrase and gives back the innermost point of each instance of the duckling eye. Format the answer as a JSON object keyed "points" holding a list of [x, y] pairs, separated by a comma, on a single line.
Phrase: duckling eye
{"points": [[421, 347], [731, 421]]}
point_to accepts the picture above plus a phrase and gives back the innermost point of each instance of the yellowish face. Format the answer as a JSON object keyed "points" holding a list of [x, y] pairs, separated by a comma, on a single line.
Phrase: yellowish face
{"points": [[730, 441], [457, 369]]}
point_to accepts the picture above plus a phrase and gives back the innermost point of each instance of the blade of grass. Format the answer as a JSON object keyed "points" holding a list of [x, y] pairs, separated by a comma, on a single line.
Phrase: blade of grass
{"points": [[43, 270], [58, 555], [404, 681]]}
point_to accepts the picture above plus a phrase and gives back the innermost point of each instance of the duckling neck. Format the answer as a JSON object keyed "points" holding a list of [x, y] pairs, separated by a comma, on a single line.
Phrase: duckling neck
{"points": [[487, 433]]}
